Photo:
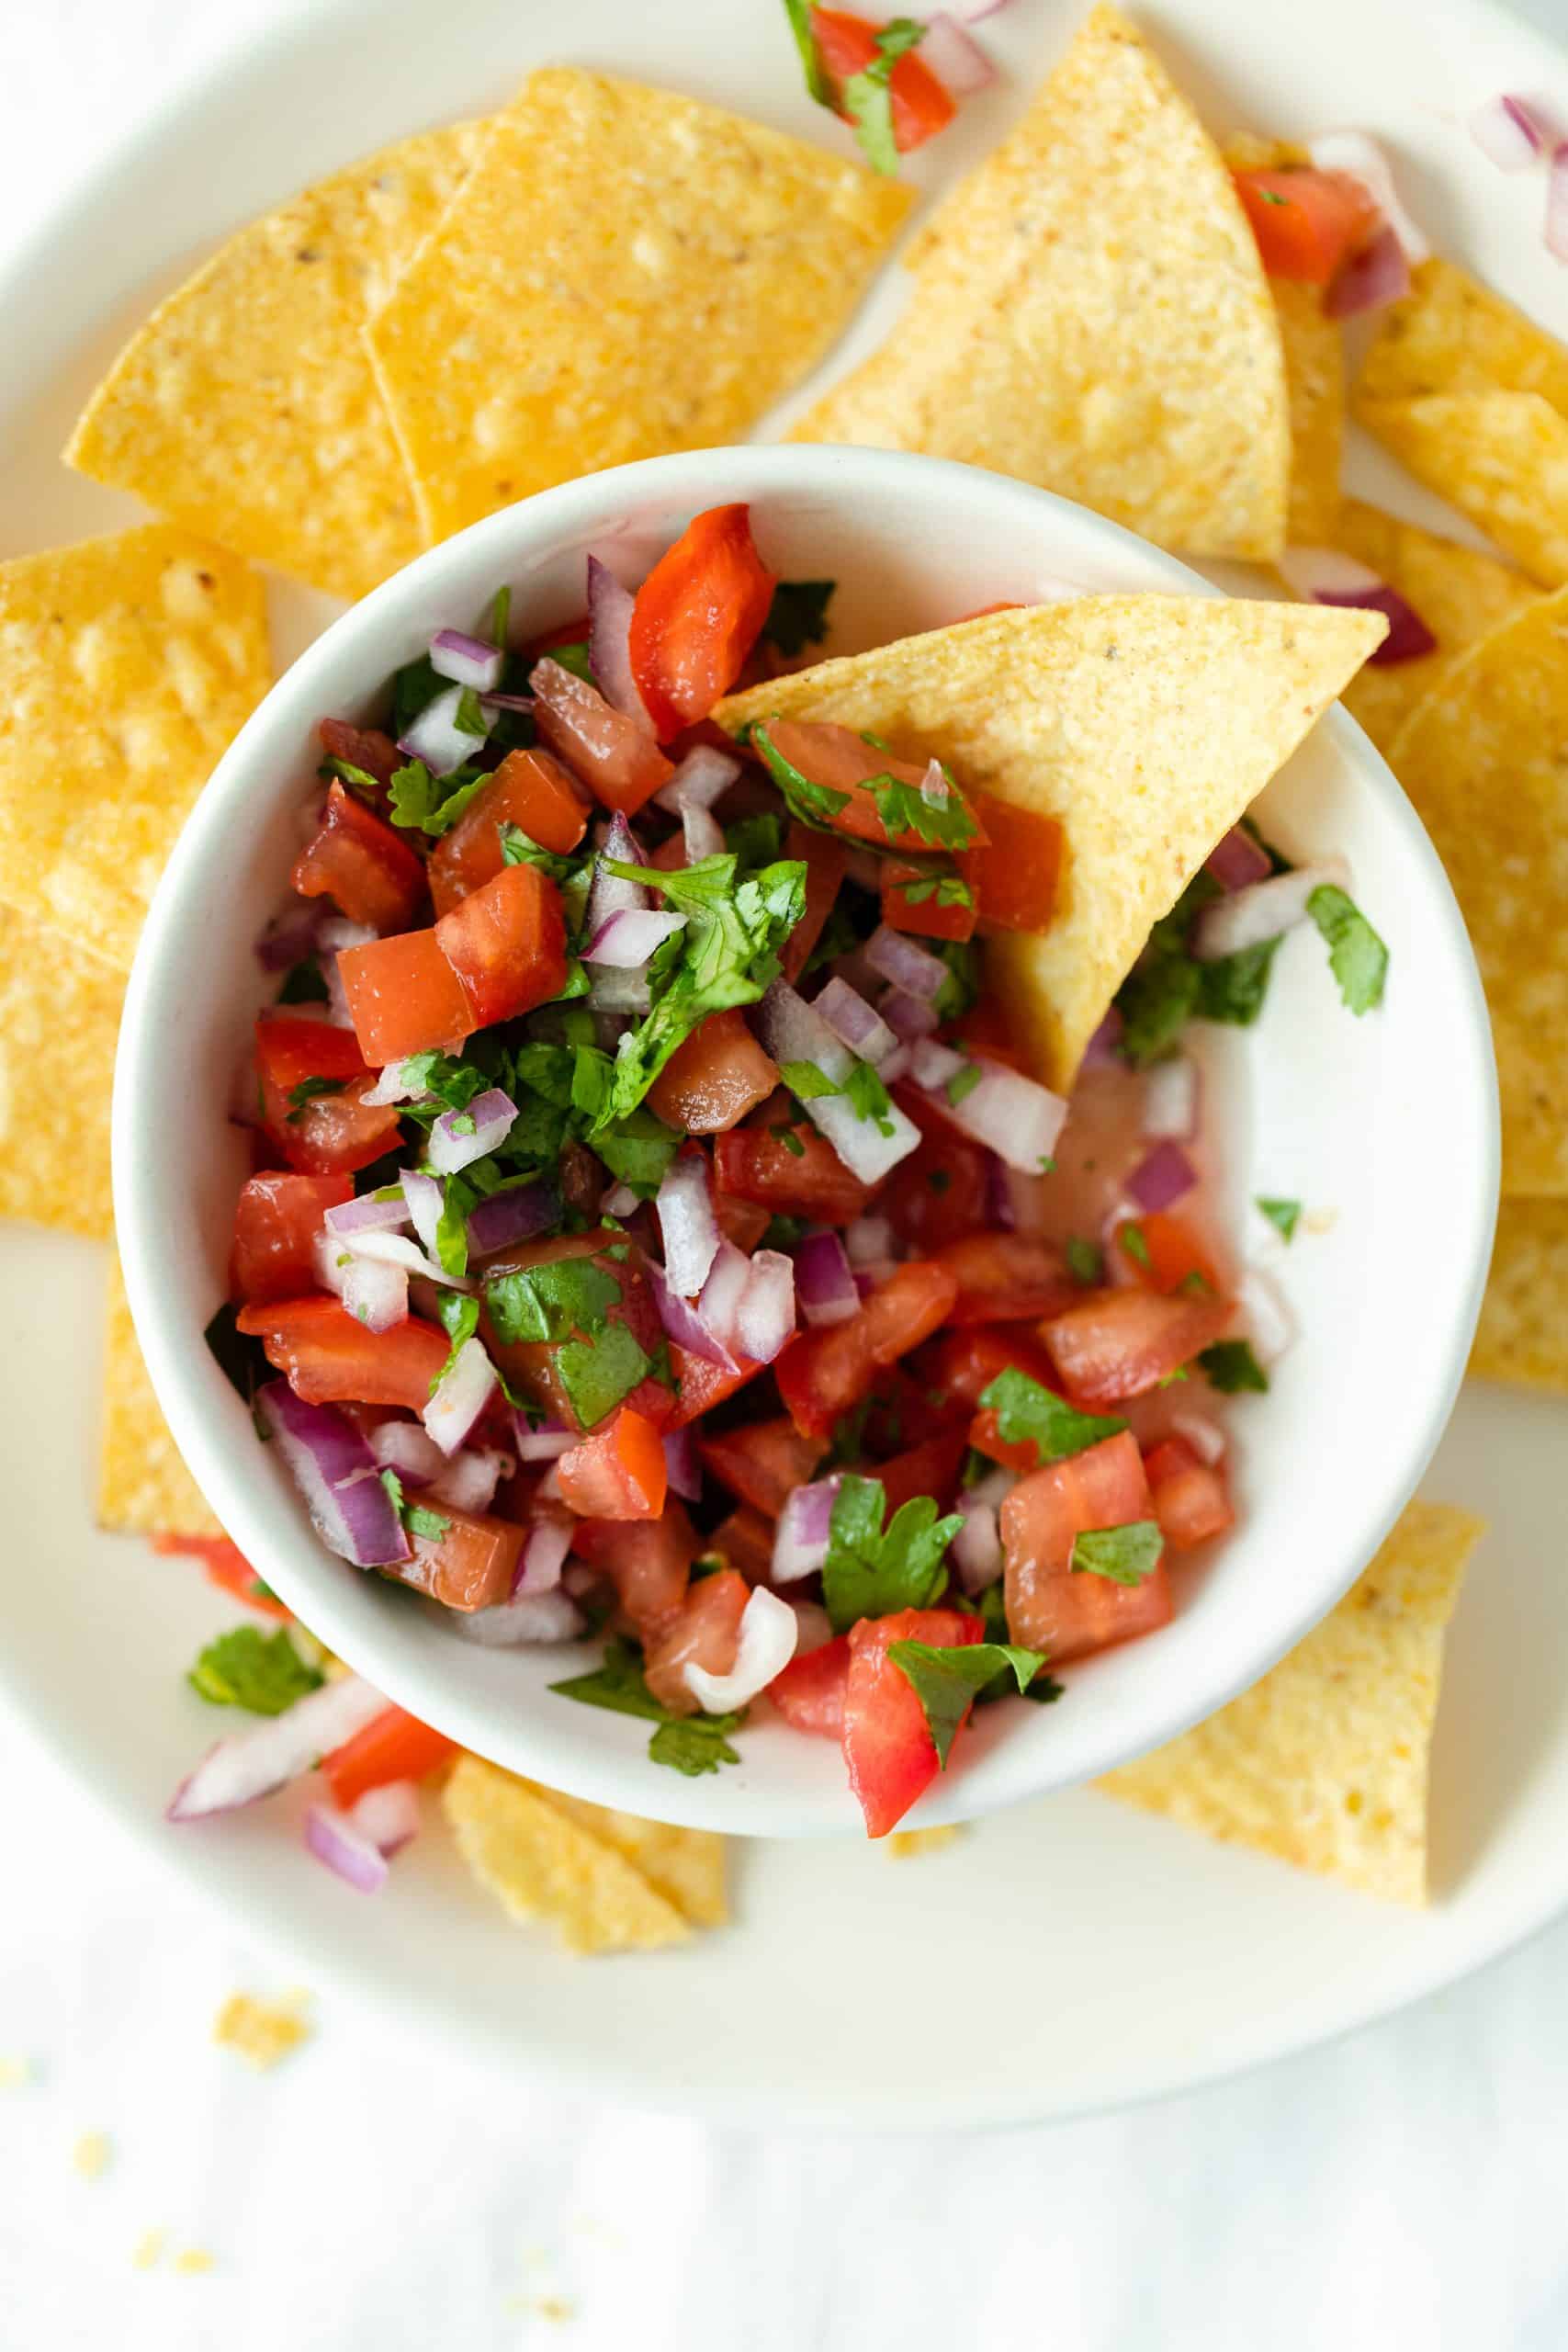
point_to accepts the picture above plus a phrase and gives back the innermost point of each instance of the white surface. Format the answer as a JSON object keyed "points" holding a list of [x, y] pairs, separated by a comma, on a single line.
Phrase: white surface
{"points": [[1400, 2190], [1362, 1115]]}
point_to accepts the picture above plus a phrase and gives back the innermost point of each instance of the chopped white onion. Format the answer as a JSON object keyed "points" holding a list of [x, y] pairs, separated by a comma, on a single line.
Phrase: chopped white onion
{"points": [[544, 1556], [395, 1086], [346, 1849], [1510, 131], [868, 1241], [767, 1636], [1017, 1118], [1268, 1321], [805, 1525], [423, 1194], [460, 1136], [703, 776], [435, 737], [854, 1023], [468, 1481], [702, 833], [545, 1618], [1171, 1100], [387, 1815], [959, 64], [374, 1291], [460, 1396], [1247, 917], [687, 1222], [403, 1446], [765, 1322], [792, 1030], [978, 1546]]}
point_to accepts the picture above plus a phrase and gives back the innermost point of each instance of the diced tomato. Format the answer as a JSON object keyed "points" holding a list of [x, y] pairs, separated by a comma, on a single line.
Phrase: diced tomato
{"points": [[929, 1469], [809, 1693], [845, 762], [1307, 223], [986, 1029], [710, 1082], [1014, 876], [1118, 1343], [812, 1181], [1052, 1606], [705, 1632], [821, 1373], [825, 861], [533, 1366], [614, 756], [847, 45], [1006, 1278], [697, 617], [276, 1220], [763, 1462], [228, 1567], [404, 998], [618, 1474], [968, 1361], [1189, 1497], [366, 748], [905, 1411], [360, 864], [939, 1193], [647, 1560], [393, 1745], [327, 1355], [528, 789], [472, 1564], [549, 641], [887, 1743], [1172, 1257], [745, 1541], [742, 1222], [670, 854], [699, 1386], [506, 941], [327, 1132], [926, 914]]}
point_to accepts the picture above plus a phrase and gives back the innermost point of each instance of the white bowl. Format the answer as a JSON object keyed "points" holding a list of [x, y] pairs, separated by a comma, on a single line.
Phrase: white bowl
{"points": [[1390, 1122]]}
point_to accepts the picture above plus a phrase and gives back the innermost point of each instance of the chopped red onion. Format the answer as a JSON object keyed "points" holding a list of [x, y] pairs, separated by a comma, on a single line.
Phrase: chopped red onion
{"points": [[1267, 1318], [435, 737], [544, 1556], [369, 1214], [423, 1194], [1360, 158], [337, 1474], [910, 1018], [510, 1217], [1100, 1053], [546, 1444], [1238, 860], [1325, 577], [469, 1480], [403, 1446], [460, 1136], [682, 1468], [766, 1323], [978, 1546], [687, 1222], [1207, 1442], [868, 1239], [629, 937], [459, 1397], [959, 64], [1161, 1177], [999, 1198], [1511, 131], [490, 703], [1019, 1119], [767, 1636], [545, 1618], [792, 1030], [686, 1324], [290, 935], [1171, 1100], [932, 1064], [387, 1815], [703, 776], [703, 834], [467, 659], [855, 1022], [805, 1524], [609, 642], [1262, 912], [895, 954], [1370, 280], [394, 1085], [348, 1850], [252, 1763], [1556, 231], [823, 1282]]}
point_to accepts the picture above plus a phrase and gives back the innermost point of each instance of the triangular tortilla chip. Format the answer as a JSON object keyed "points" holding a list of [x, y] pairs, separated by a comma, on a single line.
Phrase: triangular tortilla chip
{"points": [[1523, 1333], [58, 1022], [542, 1863], [1485, 760], [1324, 1762], [1315, 372], [1145, 725], [126, 665], [1459, 593], [245, 406], [625, 272], [1089, 312], [686, 1866], [144, 1487]]}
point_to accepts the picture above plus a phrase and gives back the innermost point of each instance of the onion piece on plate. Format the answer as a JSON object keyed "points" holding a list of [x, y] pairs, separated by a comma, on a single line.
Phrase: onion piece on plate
{"points": [[1324, 576], [346, 1849], [252, 1763]]}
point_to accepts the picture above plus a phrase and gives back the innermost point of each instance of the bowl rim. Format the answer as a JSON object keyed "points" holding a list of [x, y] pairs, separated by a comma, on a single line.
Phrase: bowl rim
{"points": [[254, 763]]}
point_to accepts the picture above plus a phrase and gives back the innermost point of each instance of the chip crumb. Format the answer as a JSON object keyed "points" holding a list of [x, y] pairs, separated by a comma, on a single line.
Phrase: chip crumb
{"points": [[148, 2249], [14, 2073], [1319, 1220], [90, 2156], [192, 2261], [903, 1844], [264, 2032], [542, 1860]]}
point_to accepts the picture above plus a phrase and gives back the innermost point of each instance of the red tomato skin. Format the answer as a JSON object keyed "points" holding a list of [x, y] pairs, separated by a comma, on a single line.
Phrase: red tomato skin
{"points": [[745, 1541], [705, 1632], [648, 1562], [929, 1469], [821, 1373], [1007, 1278], [763, 1461], [393, 1745], [1189, 1497], [697, 617], [1013, 877], [714, 1078], [939, 1193], [921, 105], [837, 757], [925, 917], [1172, 1254], [1120, 1343], [528, 789], [969, 1360], [328, 1358], [1307, 223], [742, 1222], [699, 1386], [228, 1567], [1070, 1613], [810, 1693], [618, 1472], [752, 1164], [471, 1565], [277, 1220], [531, 1365], [404, 998], [825, 861], [615, 757], [362, 864], [506, 943], [888, 1749], [331, 1133]]}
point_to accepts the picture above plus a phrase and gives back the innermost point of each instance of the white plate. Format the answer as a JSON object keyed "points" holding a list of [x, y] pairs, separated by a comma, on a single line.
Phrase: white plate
{"points": [[1117, 1958]]}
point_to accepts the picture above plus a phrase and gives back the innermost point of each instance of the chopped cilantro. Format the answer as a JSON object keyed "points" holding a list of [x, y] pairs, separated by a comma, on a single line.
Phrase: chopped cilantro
{"points": [[1285, 1216], [1130, 1238], [941, 823], [784, 1133], [689, 1744], [415, 685], [867, 1097], [459, 1319], [1029, 1414], [638, 1148], [598, 1373], [1085, 1262], [961, 1084], [1231, 1367], [867, 97], [358, 781], [813, 804], [755, 841], [261, 1672], [817, 82], [518, 848], [572, 657], [309, 1090], [303, 984], [961, 990], [806, 1081], [428, 804], [1125, 1554], [552, 1302], [469, 718], [1232, 990], [693, 1744], [421, 1521], [871, 1573], [947, 1681], [784, 1232], [848, 1433], [1357, 956], [1196, 1283], [943, 890], [798, 614]]}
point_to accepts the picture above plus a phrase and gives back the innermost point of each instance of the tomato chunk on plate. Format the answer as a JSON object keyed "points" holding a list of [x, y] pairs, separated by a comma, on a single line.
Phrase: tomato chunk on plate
{"points": [[1120, 1343], [276, 1220], [1307, 223], [1189, 1497], [697, 617], [361, 864], [618, 1472], [847, 45], [1068, 1612], [891, 1754], [528, 789], [393, 1745], [763, 1462], [506, 943], [329, 1358], [404, 998]]}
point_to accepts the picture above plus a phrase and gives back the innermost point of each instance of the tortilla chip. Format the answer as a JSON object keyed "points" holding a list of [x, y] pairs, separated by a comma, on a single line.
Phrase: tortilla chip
{"points": [[263, 2032], [144, 1487], [1089, 312], [1458, 594], [686, 1866], [541, 1863], [1145, 725], [1474, 397], [58, 1020], [1324, 1762], [1485, 760], [126, 665], [904, 1845], [245, 406], [1523, 1333], [1315, 372], [623, 272]]}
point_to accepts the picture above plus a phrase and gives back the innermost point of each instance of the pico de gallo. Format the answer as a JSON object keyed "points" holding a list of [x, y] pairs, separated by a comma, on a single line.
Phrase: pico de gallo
{"points": [[654, 1234]]}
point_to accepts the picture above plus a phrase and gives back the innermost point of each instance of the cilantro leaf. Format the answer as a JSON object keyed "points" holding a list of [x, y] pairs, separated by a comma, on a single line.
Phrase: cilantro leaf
{"points": [[1125, 1554], [518, 848], [460, 1320], [423, 803], [416, 684], [1157, 1001], [963, 1084], [867, 1097], [755, 841], [871, 1573], [1129, 1241], [867, 97], [813, 804], [693, 1744], [941, 887], [689, 1744], [1085, 1262], [1028, 1413], [1232, 990], [598, 1373], [798, 614], [245, 1668], [638, 1148], [552, 1302], [807, 1082], [817, 83], [948, 1681], [1285, 1216], [358, 780], [940, 822], [303, 984], [572, 657], [1231, 1367], [1357, 956], [309, 1090]]}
